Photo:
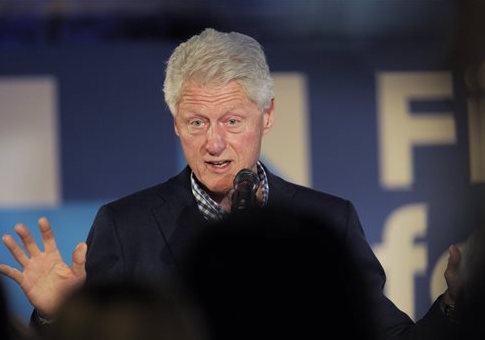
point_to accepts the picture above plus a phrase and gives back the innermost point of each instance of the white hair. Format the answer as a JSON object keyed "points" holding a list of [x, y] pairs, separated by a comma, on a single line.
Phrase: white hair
{"points": [[214, 57]]}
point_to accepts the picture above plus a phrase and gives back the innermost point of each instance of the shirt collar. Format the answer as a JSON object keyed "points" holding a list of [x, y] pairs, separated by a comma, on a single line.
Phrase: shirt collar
{"points": [[210, 209]]}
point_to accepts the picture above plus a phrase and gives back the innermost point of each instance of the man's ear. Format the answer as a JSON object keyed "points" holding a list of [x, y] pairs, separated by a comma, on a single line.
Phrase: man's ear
{"points": [[175, 127], [268, 117]]}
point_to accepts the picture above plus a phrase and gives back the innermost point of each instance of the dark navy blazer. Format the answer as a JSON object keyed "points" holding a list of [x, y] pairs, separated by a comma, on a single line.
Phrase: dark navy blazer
{"points": [[143, 235]]}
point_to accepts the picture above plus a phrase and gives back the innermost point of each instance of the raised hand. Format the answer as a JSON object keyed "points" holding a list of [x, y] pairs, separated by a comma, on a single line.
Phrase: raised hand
{"points": [[45, 279], [453, 276]]}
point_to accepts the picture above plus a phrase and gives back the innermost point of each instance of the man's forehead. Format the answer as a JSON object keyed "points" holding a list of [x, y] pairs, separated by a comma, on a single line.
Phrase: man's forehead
{"points": [[198, 95], [211, 87]]}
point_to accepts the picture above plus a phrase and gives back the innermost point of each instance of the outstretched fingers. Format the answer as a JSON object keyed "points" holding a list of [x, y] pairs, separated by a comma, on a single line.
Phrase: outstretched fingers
{"points": [[27, 239], [47, 235], [17, 253], [12, 273]]}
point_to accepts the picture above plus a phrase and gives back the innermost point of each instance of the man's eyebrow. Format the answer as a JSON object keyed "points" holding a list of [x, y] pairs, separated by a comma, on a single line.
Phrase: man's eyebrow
{"points": [[192, 113], [234, 111]]}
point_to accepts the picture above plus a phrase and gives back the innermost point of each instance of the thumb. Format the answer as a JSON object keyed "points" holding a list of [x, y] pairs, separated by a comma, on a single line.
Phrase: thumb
{"points": [[454, 257], [452, 273], [79, 260]]}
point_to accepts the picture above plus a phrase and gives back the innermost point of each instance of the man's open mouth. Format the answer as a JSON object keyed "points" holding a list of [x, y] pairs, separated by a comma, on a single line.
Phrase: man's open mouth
{"points": [[219, 163]]}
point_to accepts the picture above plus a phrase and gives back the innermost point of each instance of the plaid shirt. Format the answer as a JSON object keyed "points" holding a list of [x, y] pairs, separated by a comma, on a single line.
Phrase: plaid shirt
{"points": [[213, 211]]}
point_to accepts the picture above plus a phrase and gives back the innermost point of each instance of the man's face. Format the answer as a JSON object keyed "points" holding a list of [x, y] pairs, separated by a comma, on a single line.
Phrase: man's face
{"points": [[221, 130]]}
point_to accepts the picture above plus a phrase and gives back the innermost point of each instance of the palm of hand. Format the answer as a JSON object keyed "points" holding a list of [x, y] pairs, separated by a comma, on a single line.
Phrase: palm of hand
{"points": [[46, 279]]}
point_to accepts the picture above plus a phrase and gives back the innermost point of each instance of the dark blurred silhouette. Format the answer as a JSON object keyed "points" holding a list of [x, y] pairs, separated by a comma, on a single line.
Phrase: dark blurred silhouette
{"points": [[3, 315], [472, 313], [125, 311], [11, 328], [277, 274]]}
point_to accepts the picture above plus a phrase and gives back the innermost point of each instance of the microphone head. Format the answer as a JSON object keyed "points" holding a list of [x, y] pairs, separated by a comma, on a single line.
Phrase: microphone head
{"points": [[246, 183], [246, 176]]}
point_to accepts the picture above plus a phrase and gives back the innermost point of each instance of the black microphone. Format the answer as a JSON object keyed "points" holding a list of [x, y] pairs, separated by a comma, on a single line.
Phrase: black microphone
{"points": [[246, 183]]}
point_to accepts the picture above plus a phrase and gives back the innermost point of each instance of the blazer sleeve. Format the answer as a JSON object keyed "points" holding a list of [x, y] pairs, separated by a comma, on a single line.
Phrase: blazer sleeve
{"points": [[392, 323], [104, 258]]}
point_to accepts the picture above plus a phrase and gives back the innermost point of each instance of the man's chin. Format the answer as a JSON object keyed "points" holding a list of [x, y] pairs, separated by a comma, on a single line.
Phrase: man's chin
{"points": [[218, 189]]}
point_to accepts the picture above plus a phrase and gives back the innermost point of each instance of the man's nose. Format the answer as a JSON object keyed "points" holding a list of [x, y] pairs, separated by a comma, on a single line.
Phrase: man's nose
{"points": [[216, 141]]}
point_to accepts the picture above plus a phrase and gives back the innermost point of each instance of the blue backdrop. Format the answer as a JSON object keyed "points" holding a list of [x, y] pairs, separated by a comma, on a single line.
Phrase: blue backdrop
{"points": [[116, 136]]}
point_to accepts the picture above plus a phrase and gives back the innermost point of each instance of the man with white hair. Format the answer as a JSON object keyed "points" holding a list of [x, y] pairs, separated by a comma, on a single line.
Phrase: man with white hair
{"points": [[220, 92]]}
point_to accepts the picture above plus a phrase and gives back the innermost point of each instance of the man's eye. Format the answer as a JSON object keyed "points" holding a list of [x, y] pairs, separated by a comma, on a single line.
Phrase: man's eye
{"points": [[196, 123], [232, 122]]}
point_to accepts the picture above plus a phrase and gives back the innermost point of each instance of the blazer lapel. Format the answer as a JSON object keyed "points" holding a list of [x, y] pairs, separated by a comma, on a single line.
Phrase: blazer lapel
{"points": [[178, 217], [281, 193]]}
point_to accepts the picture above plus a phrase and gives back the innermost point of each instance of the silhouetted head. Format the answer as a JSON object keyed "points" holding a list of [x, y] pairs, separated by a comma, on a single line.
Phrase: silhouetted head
{"points": [[276, 273], [126, 311]]}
